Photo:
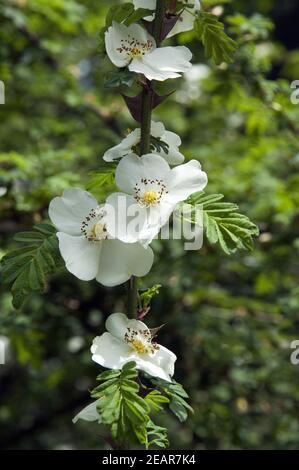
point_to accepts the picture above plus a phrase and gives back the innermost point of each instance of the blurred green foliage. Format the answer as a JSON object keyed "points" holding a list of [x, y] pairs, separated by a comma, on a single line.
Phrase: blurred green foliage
{"points": [[230, 319]]}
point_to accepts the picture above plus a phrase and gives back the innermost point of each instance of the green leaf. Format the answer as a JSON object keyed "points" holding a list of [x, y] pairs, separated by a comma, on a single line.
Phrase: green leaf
{"points": [[224, 225], [137, 15], [218, 45], [177, 395], [154, 400], [120, 78], [120, 406], [27, 267], [156, 436], [147, 296]]}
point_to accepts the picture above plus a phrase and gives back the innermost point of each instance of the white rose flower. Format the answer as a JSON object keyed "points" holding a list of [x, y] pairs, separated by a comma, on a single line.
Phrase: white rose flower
{"points": [[133, 47], [131, 340], [158, 131], [89, 413], [185, 20], [152, 189], [86, 246]]}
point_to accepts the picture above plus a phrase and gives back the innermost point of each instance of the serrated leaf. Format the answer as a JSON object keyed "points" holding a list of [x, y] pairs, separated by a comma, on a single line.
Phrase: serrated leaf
{"points": [[218, 45], [126, 411], [177, 395], [28, 266], [223, 224], [154, 400]]}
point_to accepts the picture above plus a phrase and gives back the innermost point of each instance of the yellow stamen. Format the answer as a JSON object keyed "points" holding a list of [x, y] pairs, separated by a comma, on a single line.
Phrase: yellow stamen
{"points": [[139, 346], [135, 52], [150, 197], [99, 231]]}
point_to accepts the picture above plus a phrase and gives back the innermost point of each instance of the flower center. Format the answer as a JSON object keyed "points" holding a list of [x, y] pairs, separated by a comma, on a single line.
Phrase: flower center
{"points": [[93, 227], [150, 197], [140, 341], [136, 52], [134, 48], [149, 192], [99, 231], [139, 347]]}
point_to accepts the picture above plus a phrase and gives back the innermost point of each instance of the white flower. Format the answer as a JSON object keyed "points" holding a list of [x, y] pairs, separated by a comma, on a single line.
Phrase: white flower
{"points": [[158, 131], [89, 413], [134, 47], [153, 190], [131, 340], [87, 248], [185, 20]]}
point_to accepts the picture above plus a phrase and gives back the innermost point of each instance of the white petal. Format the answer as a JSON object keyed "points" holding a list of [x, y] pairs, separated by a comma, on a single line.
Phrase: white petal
{"points": [[119, 34], [132, 139], [68, 211], [185, 180], [186, 20], [110, 352], [126, 218], [163, 63], [160, 364], [172, 139], [80, 255], [124, 148], [157, 129], [132, 169], [118, 323], [89, 413], [114, 153], [113, 38], [174, 156], [157, 216], [147, 4], [119, 261]]}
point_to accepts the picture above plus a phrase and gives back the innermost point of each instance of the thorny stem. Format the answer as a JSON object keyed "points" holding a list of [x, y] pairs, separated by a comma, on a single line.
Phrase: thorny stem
{"points": [[145, 142]]}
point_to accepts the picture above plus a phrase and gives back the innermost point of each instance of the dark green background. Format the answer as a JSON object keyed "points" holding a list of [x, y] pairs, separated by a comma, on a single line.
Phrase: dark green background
{"points": [[230, 320]]}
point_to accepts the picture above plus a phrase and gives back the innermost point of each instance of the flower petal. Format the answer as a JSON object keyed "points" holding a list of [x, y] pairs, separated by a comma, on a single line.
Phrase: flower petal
{"points": [[126, 218], [163, 63], [80, 255], [89, 413], [118, 323], [132, 222], [124, 148], [110, 352], [186, 20], [157, 129], [185, 180], [119, 36], [147, 4], [119, 261], [174, 156], [131, 169], [68, 211], [160, 364]]}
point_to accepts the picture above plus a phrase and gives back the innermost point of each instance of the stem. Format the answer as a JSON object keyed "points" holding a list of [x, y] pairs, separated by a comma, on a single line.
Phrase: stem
{"points": [[159, 18], [132, 297], [146, 116], [145, 142]]}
